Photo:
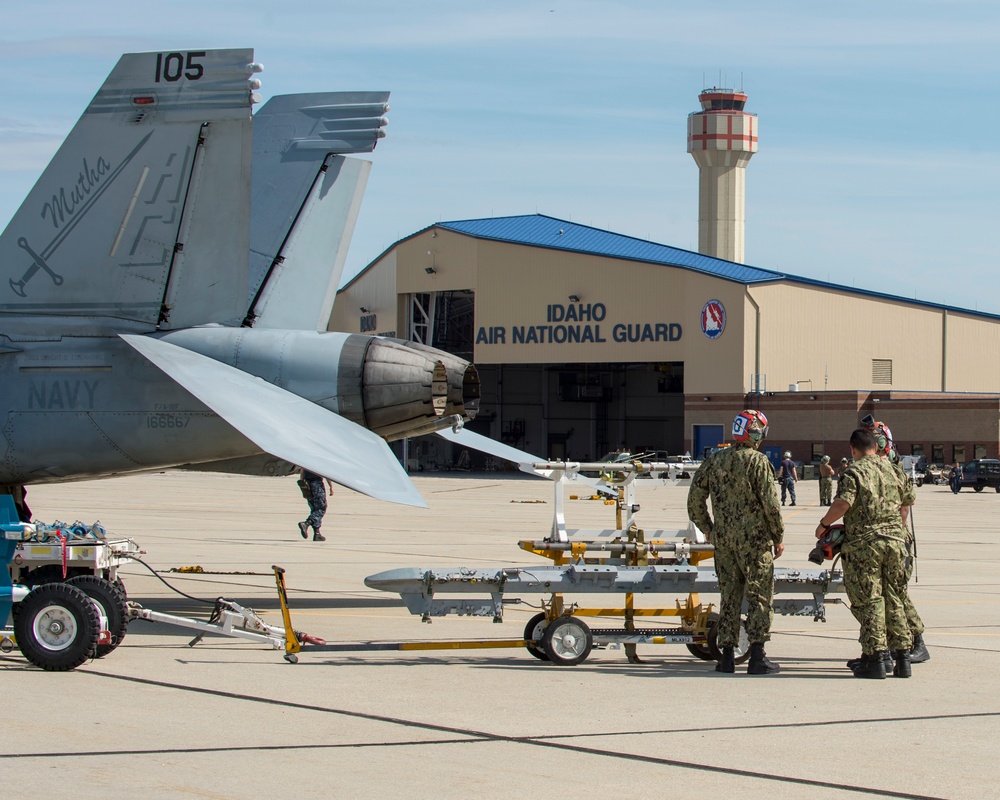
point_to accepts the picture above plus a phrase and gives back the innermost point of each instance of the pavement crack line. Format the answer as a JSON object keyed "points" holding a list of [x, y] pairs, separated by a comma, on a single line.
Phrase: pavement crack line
{"points": [[474, 736]]}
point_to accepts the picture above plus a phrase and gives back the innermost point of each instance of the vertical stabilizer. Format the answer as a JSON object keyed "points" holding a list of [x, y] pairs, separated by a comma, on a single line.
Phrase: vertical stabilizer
{"points": [[141, 216], [305, 201]]}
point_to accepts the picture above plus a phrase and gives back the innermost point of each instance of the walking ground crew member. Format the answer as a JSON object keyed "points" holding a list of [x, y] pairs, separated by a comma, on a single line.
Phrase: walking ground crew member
{"points": [[314, 491], [870, 499], [746, 532], [788, 477]]}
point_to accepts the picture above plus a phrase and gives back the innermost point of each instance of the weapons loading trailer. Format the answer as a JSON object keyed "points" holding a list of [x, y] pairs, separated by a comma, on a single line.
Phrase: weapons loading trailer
{"points": [[625, 560]]}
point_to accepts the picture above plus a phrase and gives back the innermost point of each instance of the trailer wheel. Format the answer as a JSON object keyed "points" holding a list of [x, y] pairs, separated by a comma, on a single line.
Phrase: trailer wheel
{"points": [[567, 641], [533, 633], [701, 649], [741, 652], [111, 604], [56, 627]]}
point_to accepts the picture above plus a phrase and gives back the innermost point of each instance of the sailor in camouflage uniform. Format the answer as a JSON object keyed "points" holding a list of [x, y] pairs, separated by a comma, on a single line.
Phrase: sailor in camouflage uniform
{"points": [[826, 473], [314, 491], [870, 498], [747, 534], [885, 449]]}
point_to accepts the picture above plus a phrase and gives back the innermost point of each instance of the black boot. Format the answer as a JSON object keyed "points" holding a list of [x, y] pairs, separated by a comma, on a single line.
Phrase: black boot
{"points": [[902, 667], [886, 659], [918, 652], [728, 661], [760, 664], [871, 666]]}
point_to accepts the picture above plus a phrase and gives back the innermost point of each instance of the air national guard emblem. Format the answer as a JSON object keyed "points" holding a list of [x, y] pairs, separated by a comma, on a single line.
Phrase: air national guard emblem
{"points": [[713, 319]]}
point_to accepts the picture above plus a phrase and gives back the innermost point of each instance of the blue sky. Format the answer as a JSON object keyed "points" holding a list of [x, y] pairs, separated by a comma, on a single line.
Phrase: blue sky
{"points": [[877, 166]]}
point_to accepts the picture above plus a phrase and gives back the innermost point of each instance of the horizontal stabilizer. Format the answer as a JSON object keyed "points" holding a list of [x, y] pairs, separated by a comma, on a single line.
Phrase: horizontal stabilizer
{"points": [[484, 444], [524, 461], [286, 425]]}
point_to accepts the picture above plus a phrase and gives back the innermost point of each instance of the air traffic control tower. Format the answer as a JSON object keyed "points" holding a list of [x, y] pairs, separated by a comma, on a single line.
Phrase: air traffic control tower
{"points": [[722, 137]]}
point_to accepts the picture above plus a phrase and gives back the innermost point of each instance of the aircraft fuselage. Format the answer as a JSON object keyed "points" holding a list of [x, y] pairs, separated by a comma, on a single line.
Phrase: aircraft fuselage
{"points": [[86, 407]]}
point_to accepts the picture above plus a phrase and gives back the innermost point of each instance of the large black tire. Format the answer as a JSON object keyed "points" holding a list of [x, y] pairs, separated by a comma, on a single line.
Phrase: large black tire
{"points": [[56, 627], [741, 651], [979, 488], [110, 602], [567, 641], [533, 633]]}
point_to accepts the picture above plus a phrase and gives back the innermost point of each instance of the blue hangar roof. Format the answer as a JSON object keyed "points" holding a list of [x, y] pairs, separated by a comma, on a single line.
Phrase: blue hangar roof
{"points": [[538, 230]]}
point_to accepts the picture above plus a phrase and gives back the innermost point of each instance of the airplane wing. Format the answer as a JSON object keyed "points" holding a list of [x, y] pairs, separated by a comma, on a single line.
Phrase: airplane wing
{"points": [[142, 214], [305, 201], [286, 425]]}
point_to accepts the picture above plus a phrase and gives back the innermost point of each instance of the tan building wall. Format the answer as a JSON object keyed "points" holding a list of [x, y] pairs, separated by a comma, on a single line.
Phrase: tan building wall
{"points": [[832, 337], [973, 347], [375, 289], [523, 288], [453, 257]]}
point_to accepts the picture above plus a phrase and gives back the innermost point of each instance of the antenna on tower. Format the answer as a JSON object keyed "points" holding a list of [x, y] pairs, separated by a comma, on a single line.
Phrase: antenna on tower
{"points": [[741, 80]]}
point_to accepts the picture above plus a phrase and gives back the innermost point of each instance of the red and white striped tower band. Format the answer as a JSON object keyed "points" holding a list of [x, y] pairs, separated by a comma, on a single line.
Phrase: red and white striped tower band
{"points": [[722, 137]]}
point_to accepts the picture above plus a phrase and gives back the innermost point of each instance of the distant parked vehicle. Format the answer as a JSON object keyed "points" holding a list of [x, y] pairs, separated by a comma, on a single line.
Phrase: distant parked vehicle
{"points": [[916, 467], [936, 474], [979, 474]]}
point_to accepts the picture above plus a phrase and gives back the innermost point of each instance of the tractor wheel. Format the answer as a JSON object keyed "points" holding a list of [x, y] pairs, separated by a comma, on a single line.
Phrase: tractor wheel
{"points": [[111, 604], [57, 627]]}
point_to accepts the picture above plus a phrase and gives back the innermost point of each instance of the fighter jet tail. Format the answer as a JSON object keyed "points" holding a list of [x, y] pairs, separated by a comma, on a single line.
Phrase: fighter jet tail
{"points": [[305, 201], [142, 214]]}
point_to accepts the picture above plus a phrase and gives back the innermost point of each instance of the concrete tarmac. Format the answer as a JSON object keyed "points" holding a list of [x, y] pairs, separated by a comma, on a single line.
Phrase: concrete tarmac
{"points": [[231, 719]]}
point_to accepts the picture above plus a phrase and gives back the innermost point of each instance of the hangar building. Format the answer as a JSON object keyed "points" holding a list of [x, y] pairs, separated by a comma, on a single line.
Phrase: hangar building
{"points": [[588, 341]]}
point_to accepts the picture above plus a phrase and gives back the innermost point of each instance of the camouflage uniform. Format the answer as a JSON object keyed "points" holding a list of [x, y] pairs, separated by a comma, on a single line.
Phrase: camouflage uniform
{"points": [[913, 621], [740, 482], [316, 500], [825, 486], [874, 554]]}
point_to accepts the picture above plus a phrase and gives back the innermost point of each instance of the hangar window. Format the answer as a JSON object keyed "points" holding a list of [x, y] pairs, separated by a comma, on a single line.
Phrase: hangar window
{"points": [[937, 453], [979, 450], [882, 371], [958, 453], [917, 450]]}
